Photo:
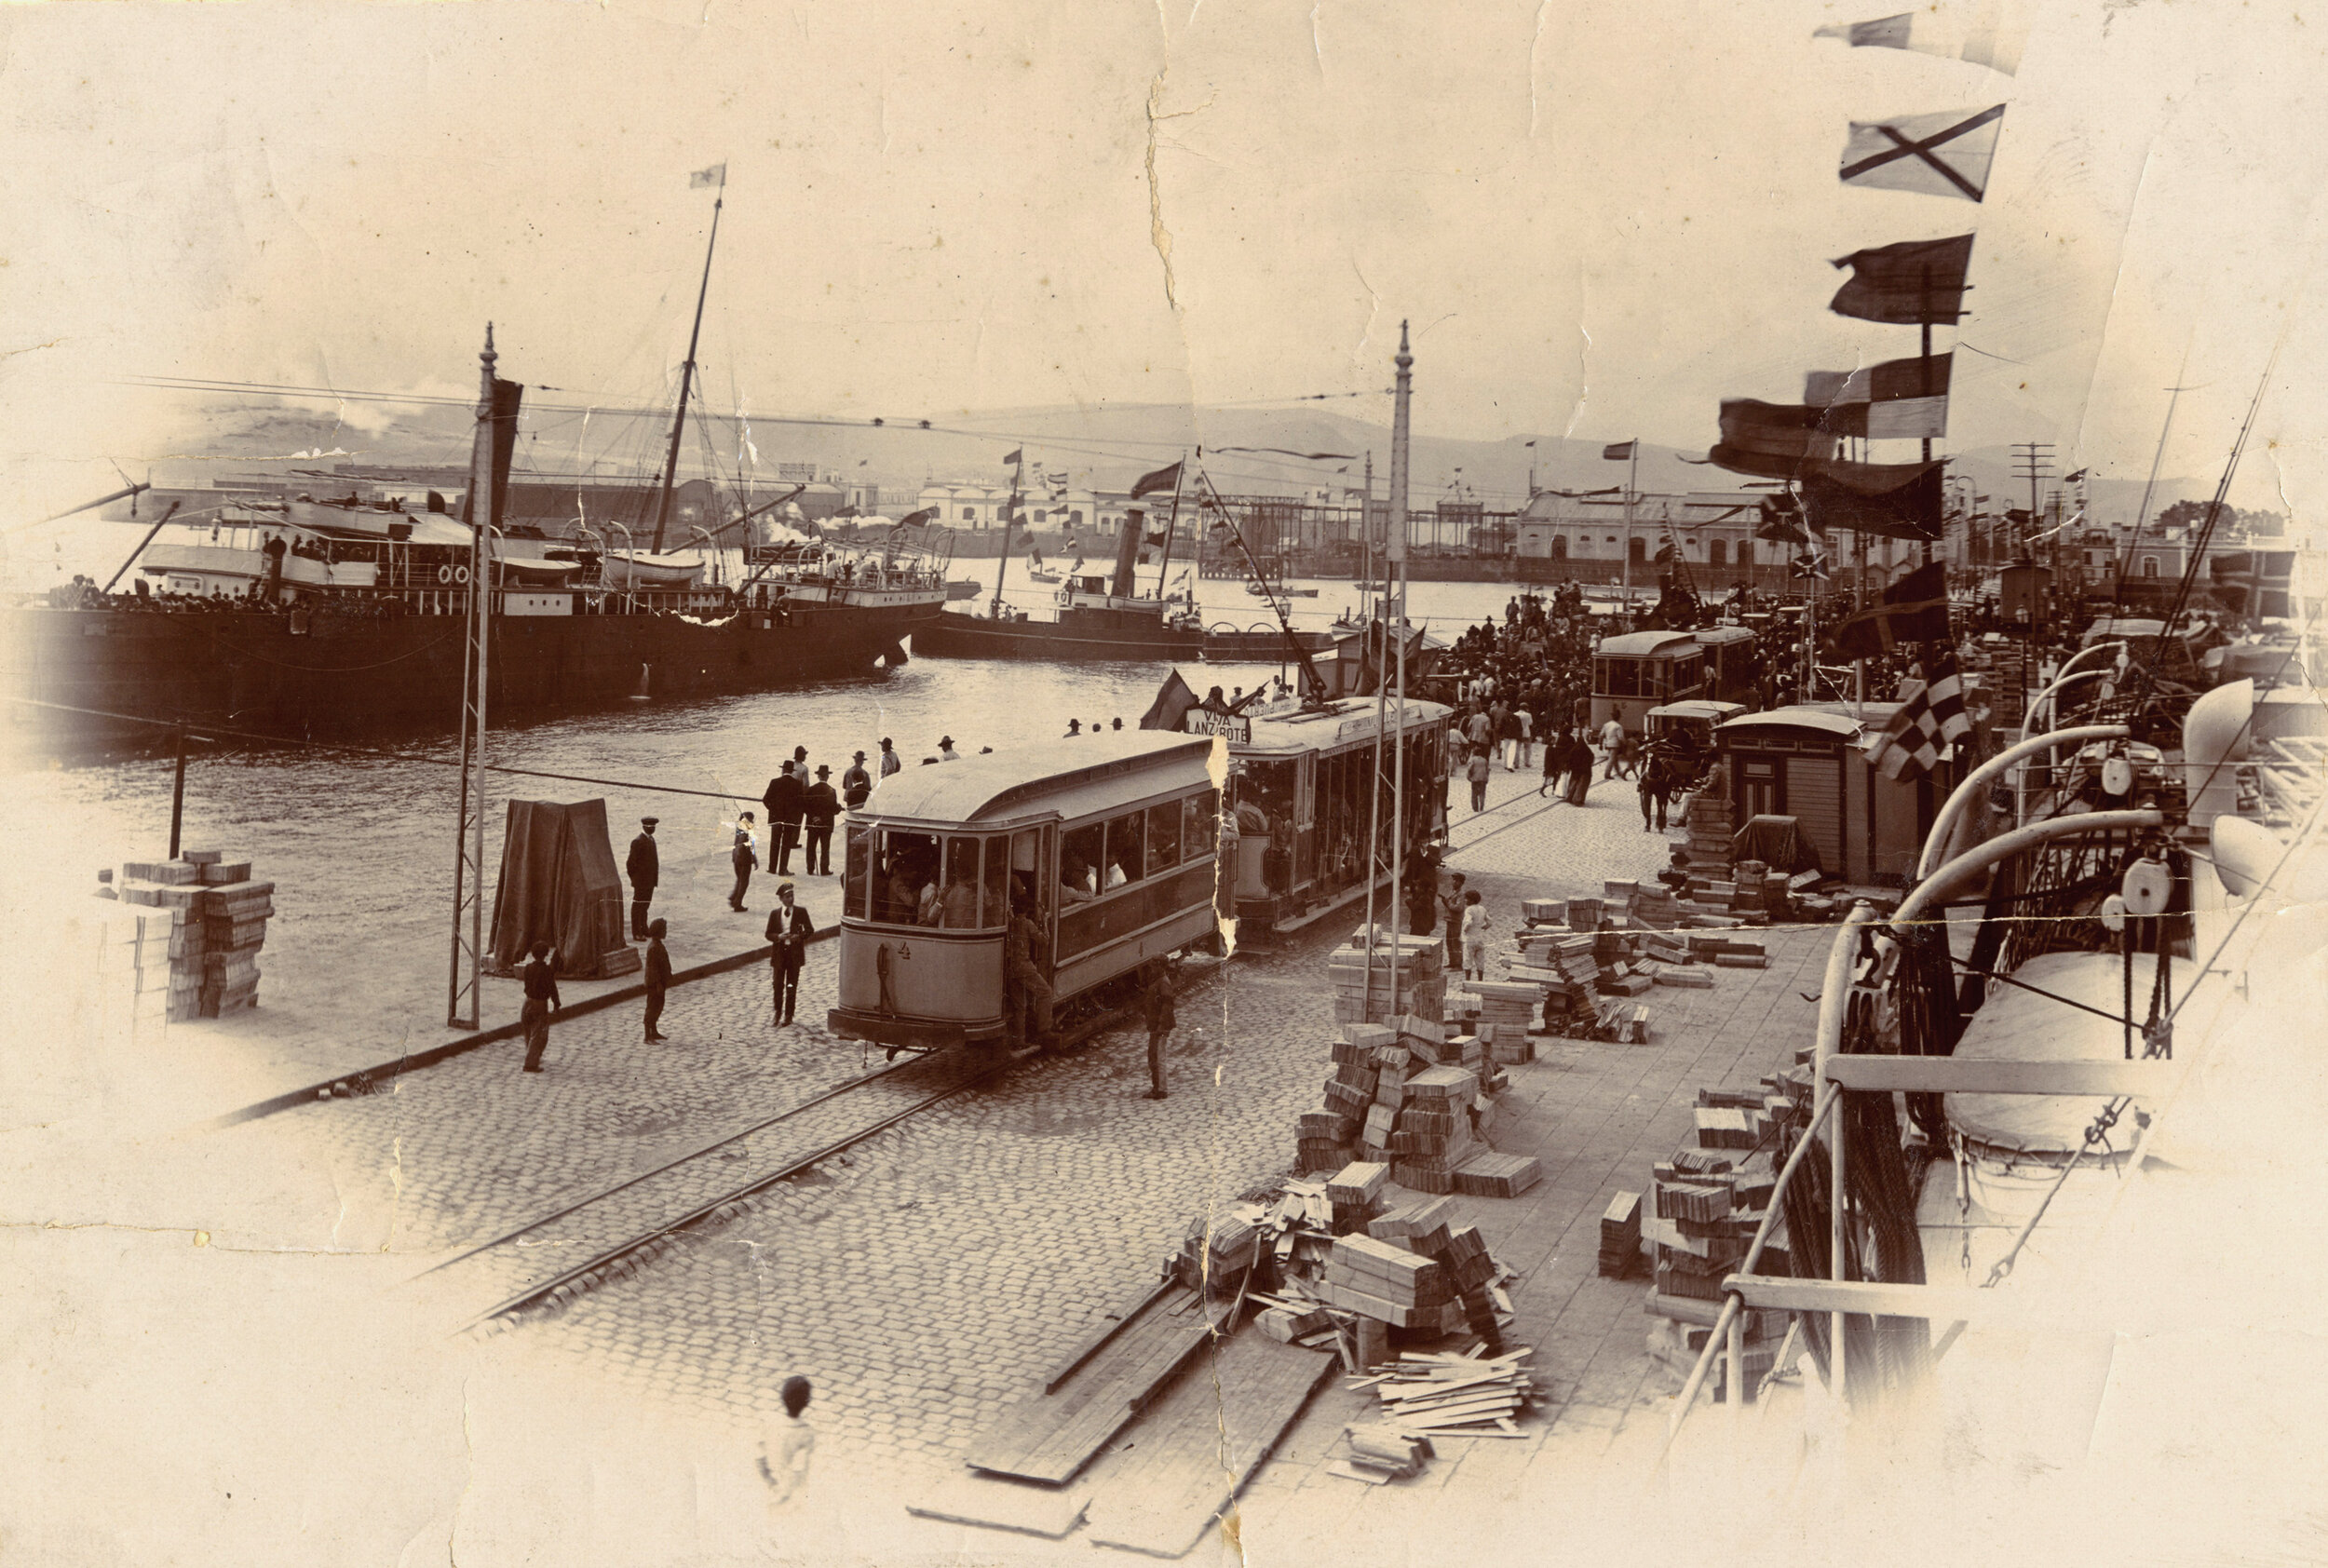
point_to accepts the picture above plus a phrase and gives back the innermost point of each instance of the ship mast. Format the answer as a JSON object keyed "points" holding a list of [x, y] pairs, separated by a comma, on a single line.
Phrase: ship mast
{"points": [[687, 372]]}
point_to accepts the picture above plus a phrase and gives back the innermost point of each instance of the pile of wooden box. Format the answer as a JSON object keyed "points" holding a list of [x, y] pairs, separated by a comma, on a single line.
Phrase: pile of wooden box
{"points": [[1412, 1096], [217, 923], [1332, 1264], [1620, 1235], [1705, 1205], [1405, 968]]}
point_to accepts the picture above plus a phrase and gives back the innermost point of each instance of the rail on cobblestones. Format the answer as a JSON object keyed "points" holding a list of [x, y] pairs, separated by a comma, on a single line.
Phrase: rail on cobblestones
{"points": [[625, 1225], [372, 1080]]}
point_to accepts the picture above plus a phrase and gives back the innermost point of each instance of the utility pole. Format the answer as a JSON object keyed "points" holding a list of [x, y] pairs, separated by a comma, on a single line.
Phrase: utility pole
{"points": [[1395, 624], [468, 851], [2032, 461]]}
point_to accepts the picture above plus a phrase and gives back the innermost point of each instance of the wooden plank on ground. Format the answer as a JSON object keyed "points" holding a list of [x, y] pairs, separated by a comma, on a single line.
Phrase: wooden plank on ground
{"points": [[1031, 1422], [1004, 1505], [1193, 1452], [1108, 1327], [1049, 1437]]}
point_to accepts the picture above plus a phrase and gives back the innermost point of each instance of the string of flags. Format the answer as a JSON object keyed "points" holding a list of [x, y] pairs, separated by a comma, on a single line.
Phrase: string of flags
{"points": [[1918, 282]]}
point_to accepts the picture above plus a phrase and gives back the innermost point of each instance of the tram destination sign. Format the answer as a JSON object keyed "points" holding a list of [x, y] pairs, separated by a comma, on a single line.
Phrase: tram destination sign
{"points": [[1236, 727]]}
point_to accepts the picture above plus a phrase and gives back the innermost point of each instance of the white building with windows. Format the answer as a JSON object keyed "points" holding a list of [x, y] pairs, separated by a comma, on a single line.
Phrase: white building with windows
{"points": [[1074, 509]]}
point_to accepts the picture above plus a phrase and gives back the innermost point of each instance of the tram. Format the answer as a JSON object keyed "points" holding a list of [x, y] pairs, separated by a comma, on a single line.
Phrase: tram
{"points": [[1108, 841], [1301, 799], [1644, 670]]}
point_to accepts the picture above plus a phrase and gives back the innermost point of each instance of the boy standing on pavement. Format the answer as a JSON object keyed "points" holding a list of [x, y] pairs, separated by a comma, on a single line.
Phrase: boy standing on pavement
{"points": [[743, 857], [1475, 923], [658, 977], [541, 995], [1476, 771]]}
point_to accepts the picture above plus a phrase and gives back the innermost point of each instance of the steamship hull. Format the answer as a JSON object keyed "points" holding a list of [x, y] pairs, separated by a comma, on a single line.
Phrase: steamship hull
{"points": [[971, 637], [328, 670]]}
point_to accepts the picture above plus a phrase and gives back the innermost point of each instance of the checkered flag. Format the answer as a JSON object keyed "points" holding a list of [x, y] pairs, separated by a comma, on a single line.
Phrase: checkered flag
{"points": [[1930, 721]]}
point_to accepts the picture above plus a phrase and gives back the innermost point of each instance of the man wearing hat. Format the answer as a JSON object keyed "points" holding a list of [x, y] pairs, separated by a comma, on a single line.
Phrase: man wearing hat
{"points": [[946, 753], [855, 784], [819, 806], [644, 870], [743, 857], [788, 930], [783, 801], [890, 761]]}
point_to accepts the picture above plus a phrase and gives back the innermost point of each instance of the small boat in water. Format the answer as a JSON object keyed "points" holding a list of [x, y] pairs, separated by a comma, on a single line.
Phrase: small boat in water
{"points": [[965, 589], [1263, 591]]}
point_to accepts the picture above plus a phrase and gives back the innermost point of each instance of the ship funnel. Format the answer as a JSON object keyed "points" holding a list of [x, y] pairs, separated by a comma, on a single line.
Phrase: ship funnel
{"points": [[1128, 550]]}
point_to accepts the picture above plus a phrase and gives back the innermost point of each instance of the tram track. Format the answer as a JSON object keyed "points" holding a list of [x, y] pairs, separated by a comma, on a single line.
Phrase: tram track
{"points": [[545, 1263]]}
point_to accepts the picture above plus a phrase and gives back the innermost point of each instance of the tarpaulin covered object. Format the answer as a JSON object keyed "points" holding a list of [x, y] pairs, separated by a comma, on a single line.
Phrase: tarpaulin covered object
{"points": [[1779, 843], [559, 884]]}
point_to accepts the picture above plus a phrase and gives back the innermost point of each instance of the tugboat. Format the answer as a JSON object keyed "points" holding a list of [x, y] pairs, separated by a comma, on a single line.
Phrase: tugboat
{"points": [[1095, 618]]}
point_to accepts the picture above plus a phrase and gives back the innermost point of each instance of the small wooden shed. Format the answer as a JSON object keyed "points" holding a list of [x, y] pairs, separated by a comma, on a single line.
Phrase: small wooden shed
{"points": [[1807, 762]]}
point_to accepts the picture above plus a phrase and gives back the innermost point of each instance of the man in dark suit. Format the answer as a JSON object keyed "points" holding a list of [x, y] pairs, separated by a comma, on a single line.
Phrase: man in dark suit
{"points": [[820, 807], [784, 800], [657, 977], [645, 869], [788, 930], [855, 784]]}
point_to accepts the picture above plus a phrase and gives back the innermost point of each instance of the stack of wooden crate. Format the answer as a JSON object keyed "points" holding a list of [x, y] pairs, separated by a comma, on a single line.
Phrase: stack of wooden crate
{"points": [[217, 925], [1404, 976], [1620, 1235]]}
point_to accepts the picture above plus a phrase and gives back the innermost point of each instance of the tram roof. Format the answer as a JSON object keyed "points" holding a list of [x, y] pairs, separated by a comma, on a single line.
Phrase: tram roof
{"points": [[1712, 634], [1640, 644], [1819, 720], [1073, 777], [1339, 721], [1700, 707]]}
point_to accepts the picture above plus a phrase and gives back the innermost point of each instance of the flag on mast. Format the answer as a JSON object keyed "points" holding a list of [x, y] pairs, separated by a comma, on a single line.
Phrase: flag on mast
{"points": [[1897, 400], [1917, 280], [1013, 456], [1162, 479], [714, 178], [1985, 32], [1930, 719], [1617, 451], [1945, 155]]}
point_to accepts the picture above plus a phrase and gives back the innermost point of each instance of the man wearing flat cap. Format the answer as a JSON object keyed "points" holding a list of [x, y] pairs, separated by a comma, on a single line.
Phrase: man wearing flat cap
{"points": [[644, 870]]}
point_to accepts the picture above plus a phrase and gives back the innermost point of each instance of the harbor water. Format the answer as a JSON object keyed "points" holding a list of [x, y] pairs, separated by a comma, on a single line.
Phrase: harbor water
{"points": [[360, 847]]}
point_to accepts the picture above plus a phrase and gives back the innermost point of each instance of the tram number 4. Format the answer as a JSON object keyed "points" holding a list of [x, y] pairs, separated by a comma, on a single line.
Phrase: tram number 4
{"points": [[904, 952]]}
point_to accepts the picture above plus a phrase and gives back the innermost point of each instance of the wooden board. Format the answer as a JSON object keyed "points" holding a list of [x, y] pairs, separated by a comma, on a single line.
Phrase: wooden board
{"points": [[1050, 1437], [1004, 1505], [1187, 1460]]}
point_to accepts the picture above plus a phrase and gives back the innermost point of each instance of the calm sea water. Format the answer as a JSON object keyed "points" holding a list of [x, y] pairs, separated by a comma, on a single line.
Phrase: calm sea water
{"points": [[360, 848]]}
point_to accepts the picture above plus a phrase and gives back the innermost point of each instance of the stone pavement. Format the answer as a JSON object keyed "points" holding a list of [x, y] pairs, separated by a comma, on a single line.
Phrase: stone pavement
{"points": [[389, 1004]]}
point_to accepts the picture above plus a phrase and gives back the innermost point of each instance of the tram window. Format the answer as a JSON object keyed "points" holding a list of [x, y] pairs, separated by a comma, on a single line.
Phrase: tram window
{"points": [[997, 883], [857, 873], [1620, 677], [1163, 836], [1200, 824], [957, 905], [1268, 788], [1079, 861], [909, 864], [1125, 862]]}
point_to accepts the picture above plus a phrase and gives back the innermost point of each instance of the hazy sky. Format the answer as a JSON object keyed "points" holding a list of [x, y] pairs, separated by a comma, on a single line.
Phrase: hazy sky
{"points": [[1601, 216]]}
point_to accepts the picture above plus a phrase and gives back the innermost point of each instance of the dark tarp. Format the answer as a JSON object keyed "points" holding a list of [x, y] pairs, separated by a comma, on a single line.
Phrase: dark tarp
{"points": [[1777, 842], [559, 884]]}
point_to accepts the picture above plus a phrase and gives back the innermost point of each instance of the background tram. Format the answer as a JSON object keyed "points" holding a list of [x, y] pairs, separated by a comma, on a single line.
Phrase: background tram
{"points": [[1108, 840], [1302, 787], [1644, 670]]}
